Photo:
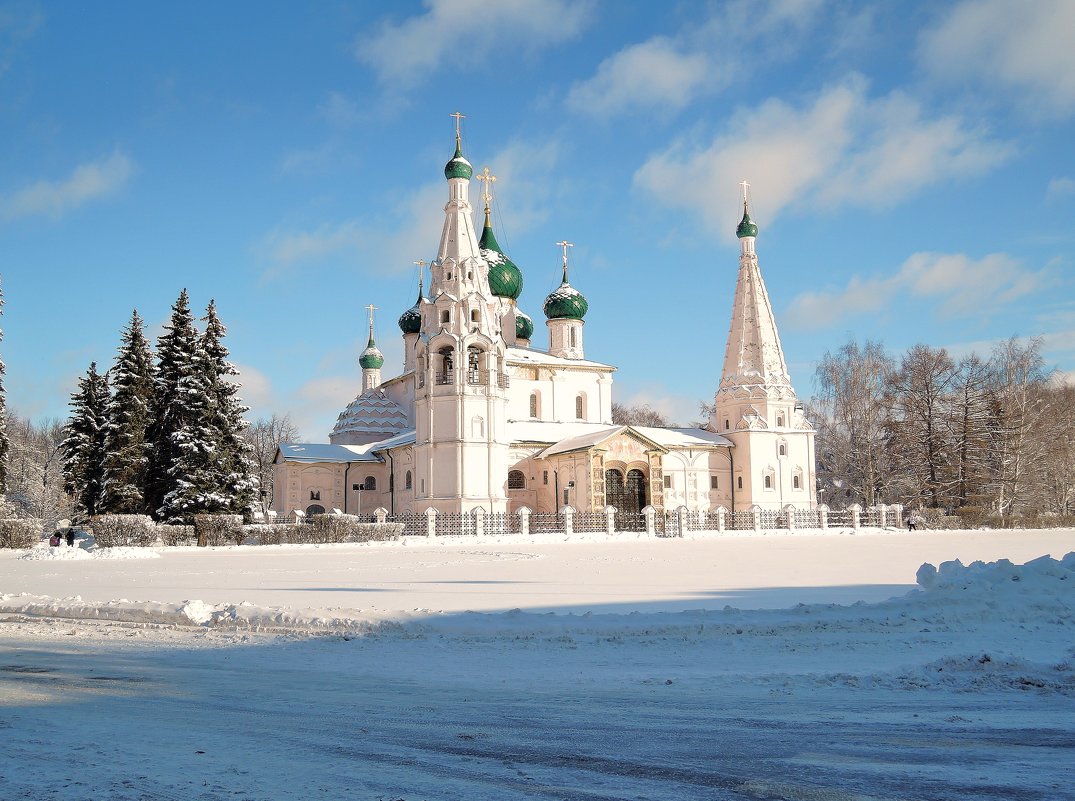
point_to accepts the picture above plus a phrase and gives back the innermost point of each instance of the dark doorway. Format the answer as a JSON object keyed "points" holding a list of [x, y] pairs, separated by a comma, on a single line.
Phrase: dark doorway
{"points": [[628, 495]]}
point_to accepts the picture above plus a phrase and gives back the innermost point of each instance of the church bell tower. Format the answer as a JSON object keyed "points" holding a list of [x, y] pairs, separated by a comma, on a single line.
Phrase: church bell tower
{"points": [[755, 405], [461, 385]]}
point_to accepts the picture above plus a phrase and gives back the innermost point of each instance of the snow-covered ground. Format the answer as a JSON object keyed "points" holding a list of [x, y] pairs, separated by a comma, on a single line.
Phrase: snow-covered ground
{"points": [[797, 667]]}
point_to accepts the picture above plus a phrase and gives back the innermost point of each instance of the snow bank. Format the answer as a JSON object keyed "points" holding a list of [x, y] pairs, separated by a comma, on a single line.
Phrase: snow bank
{"points": [[46, 552]]}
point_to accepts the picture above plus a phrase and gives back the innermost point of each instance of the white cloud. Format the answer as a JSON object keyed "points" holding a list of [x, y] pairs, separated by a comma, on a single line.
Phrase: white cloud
{"points": [[291, 247], [256, 390], [655, 73], [844, 148], [1059, 187], [87, 182], [1023, 48], [17, 26], [317, 404], [403, 53], [961, 285], [669, 72]]}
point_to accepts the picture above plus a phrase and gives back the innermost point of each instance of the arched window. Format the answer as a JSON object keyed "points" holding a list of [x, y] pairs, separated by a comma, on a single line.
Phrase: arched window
{"points": [[782, 448], [580, 406], [739, 481], [533, 404], [473, 365], [477, 426], [768, 481], [797, 478], [780, 421], [474, 315], [446, 315], [408, 482], [516, 480], [315, 509], [574, 334], [369, 484], [447, 371], [315, 495], [727, 425]]}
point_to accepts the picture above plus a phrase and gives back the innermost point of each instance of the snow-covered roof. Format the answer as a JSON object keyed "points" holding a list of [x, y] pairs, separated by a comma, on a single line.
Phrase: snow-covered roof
{"points": [[524, 356], [564, 437], [322, 452], [403, 438]]}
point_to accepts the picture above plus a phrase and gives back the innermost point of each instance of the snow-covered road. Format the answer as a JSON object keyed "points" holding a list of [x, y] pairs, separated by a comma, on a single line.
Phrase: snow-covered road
{"points": [[964, 689]]}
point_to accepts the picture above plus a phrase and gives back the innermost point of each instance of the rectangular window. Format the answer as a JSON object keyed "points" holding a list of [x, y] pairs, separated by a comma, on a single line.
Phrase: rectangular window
{"points": [[668, 482], [713, 483], [545, 477], [445, 316], [356, 487], [565, 497]]}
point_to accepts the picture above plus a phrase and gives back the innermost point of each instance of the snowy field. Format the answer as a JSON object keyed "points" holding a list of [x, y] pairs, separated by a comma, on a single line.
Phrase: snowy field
{"points": [[746, 667]]}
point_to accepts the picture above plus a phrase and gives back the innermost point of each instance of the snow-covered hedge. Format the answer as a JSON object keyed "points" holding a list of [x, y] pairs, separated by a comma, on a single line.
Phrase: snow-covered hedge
{"points": [[19, 532], [344, 528], [271, 533], [171, 534], [111, 531], [219, 529]]}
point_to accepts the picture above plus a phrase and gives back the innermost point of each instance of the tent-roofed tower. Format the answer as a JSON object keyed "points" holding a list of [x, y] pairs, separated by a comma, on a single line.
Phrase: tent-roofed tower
{"points": [[461, 383], [755, 404]]}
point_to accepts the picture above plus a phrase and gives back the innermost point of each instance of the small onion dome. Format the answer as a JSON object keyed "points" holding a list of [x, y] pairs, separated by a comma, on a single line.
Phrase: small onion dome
{"points": [[371, 358], [746, 227], [524, 326], [410, 322], [566, 303], [505, 280], [458, 167]]}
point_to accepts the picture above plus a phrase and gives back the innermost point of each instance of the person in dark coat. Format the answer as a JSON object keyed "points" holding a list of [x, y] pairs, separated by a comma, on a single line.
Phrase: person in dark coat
{"points": [[70, 537]]}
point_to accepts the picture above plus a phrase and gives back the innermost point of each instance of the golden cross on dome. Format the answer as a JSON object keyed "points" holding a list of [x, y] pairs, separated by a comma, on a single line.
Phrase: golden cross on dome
{"points": [[746, 192], [487, 179], [458, 118], [371, 308], [420, 264]]}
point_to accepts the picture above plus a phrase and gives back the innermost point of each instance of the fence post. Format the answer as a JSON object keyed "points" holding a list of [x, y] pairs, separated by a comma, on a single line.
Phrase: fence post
{"points": [[431, 522], [610, 520], [856, 516], [479, 520], [524, 520], [789, 515], [722, 519], [755, 510], [569, 520], [651, 521], [898, 512], [823, 516], [681, 518], [882, 511], [380, 514]]}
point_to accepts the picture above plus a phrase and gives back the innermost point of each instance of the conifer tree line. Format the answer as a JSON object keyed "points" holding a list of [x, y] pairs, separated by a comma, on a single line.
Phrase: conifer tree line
{"points": [[976, 437], [160, 434]]}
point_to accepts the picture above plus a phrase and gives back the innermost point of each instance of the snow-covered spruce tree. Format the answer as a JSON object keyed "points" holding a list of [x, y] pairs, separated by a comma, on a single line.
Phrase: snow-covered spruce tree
{"points": [[175, 410], [237, 482], [127, 449], [3, 415], [83, 447]]}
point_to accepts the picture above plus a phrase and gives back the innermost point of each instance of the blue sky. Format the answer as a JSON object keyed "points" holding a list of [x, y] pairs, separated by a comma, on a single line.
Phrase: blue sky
{"points": [[911, 168]]}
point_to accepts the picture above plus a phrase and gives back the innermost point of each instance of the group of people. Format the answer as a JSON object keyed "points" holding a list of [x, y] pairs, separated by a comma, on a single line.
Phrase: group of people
{"points": [[60, 535]]}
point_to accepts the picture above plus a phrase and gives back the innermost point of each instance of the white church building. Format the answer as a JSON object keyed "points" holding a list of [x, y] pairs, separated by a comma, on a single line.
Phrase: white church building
{"points": [[480, 417]]}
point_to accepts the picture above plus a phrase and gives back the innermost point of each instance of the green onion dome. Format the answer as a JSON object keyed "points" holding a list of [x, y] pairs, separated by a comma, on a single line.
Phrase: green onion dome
{"points": [[524, 326], [458, 167], [746, 227], [410, 322], [505, 279], [566, 303], [371, 358]]}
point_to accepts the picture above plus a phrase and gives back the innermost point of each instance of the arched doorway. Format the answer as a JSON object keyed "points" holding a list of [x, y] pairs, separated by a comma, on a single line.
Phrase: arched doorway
{"points": [[315, 509], [628, 495]]}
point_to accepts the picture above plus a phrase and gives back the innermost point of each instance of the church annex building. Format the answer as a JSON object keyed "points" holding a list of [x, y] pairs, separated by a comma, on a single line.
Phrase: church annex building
{"points": [[480, 418]]}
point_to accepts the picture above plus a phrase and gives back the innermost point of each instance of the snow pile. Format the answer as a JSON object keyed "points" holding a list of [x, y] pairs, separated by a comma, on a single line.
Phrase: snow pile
{"points": [[989, 576], [63, 552]]}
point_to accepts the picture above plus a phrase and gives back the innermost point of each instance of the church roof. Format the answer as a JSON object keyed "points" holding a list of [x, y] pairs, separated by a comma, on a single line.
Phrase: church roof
{"points": [[522, 356], [573, 436], [321, 452], [372, 412]]}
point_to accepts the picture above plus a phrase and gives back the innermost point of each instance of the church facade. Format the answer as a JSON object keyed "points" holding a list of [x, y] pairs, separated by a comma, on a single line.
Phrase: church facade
{"points": [[479, 417]]}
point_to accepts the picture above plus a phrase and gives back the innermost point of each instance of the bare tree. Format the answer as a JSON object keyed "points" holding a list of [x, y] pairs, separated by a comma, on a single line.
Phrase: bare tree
{"points": [[921, 391], [642, 415], [35, 482], [972, 423], [850, 415], [265, 436], [1023, 403]]}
